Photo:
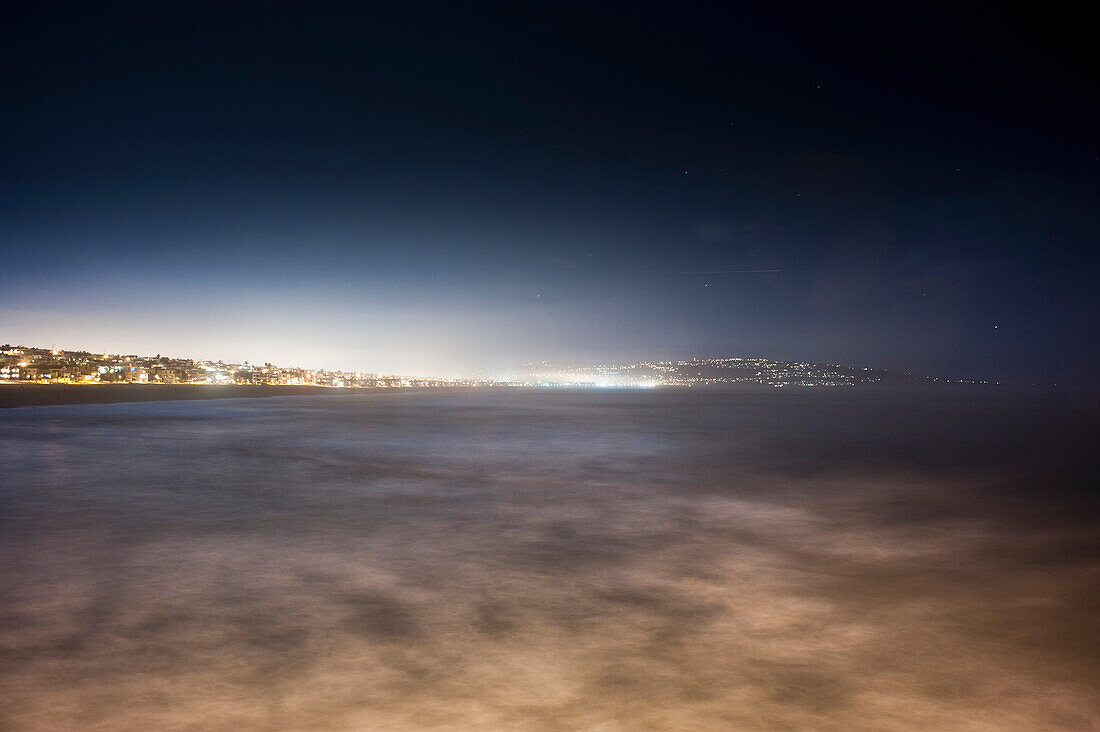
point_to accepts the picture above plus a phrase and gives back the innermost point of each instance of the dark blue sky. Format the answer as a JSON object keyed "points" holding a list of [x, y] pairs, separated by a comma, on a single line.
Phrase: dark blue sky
{"points": [[460, 187]]}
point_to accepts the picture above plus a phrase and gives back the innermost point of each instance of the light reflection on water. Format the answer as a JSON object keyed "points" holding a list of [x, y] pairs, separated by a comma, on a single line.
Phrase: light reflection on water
{"points": [[611, 560]]}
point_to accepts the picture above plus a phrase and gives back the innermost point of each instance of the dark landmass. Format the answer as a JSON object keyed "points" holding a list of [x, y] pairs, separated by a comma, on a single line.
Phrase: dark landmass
{"points": [[731, 370], [29, 395]]}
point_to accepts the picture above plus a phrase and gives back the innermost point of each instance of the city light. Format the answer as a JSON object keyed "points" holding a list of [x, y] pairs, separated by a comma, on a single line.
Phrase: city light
{"points": [[38, 365]]}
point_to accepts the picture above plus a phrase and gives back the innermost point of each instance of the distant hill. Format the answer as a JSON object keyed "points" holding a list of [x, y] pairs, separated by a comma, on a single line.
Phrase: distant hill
{"points": [[698, 372]]}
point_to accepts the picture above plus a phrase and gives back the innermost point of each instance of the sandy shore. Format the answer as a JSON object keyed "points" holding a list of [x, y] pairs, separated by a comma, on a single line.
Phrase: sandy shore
{"points": [[26, 395]]}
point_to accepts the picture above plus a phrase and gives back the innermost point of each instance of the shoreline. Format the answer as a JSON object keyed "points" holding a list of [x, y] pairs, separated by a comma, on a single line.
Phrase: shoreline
{"points": [[43, 395], [13, 396]]}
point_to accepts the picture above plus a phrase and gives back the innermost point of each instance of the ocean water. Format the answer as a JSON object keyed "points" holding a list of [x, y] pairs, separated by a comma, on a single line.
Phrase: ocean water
{"points": [[613, 560]]}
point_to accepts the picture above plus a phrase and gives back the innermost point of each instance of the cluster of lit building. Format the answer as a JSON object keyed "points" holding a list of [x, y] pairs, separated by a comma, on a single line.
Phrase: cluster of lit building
{"points": [[714, 371], [20, 364]]}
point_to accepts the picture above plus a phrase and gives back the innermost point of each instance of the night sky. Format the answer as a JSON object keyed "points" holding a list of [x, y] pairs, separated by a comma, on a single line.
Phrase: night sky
{"points": [[459, 188]]}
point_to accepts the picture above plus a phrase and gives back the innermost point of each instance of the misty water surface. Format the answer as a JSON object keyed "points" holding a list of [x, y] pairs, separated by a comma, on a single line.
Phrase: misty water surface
{"points": [[551, 560]]}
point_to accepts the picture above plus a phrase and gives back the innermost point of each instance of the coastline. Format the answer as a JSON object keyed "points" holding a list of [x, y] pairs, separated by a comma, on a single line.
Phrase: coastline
{"points": [[39, 395], [42, 395]]}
